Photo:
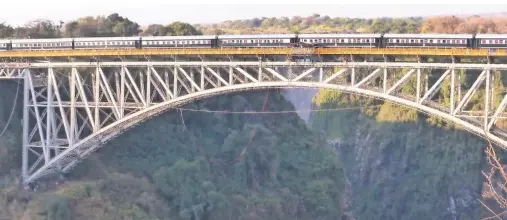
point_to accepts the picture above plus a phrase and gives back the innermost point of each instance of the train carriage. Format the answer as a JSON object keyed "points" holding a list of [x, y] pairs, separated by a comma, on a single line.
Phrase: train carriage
{"points": [[42, 44], [491, 41], [5, 45], [204, 41], [488, 41], [107, 43], [341, 40], [263, 40], [428, 40]]}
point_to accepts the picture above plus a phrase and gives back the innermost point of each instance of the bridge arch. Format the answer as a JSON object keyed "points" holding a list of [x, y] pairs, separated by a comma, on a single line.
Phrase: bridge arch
{"points": [[96, 140], [80, 148]]}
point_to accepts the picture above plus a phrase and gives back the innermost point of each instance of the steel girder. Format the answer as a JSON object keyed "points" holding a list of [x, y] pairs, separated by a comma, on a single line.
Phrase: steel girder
{"points": [[71, 109], [11, 73]]}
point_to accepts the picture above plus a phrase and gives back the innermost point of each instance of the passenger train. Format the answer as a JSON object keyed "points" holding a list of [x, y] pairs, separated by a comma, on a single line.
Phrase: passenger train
{"points": [[263, 41]]}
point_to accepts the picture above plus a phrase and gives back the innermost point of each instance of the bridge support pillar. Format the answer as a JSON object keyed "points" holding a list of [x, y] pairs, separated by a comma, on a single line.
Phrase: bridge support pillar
{"points": [[26, 125], [487, 97]]}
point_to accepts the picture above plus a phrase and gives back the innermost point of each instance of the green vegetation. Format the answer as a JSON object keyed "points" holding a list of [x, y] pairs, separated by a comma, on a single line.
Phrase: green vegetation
{"points": [[401, 167], [214, 166]]}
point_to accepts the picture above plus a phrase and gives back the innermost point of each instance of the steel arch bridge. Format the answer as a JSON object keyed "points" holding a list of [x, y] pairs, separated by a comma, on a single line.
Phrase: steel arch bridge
{"points": [[73, 108]]}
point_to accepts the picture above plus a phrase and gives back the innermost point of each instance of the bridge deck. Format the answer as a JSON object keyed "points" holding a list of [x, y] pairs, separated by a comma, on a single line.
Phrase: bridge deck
{"points": [[257, 51]]}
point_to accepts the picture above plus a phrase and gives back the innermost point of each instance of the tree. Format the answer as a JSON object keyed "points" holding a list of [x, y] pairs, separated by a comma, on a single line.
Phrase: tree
{"points": [[495, 185], [6, 30], [183, 29], [157, 30], [40, 29]]}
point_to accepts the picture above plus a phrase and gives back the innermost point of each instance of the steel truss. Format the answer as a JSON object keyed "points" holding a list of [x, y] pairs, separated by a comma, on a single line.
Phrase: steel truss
{"points": [[11, 73], [71, 109]]}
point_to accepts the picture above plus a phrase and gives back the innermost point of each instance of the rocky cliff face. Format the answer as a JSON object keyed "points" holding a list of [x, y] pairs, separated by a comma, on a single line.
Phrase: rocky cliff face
{"points": [[408, 170]]}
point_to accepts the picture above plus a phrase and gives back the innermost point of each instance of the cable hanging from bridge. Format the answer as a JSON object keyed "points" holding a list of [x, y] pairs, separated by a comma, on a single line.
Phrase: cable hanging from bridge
{"points": [[273, 112], [12, 113]]}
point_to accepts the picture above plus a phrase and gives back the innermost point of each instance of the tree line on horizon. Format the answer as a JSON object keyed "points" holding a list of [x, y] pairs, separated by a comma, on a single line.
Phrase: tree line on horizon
{"points": [[116, 25]]}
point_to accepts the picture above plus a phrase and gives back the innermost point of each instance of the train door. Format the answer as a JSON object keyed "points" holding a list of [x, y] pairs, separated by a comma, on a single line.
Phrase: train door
{"points": [[214, 42], [138, 44]]}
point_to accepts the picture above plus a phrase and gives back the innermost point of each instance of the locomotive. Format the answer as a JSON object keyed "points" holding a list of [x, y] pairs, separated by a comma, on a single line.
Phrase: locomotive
{"points": [[490, 41]]}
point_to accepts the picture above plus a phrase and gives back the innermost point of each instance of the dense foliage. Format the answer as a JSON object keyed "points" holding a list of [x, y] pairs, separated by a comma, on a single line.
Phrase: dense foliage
{"points": [[207, 166], [402, 167]]}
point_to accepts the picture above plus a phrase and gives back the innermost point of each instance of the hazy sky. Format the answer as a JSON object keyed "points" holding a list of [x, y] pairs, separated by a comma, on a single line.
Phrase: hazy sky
{"points": [[18, 12]]}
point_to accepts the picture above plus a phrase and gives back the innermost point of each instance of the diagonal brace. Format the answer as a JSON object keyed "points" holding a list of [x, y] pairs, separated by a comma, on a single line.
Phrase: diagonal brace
{"points": [[369, 78], [304, 74], [217, 76], [166, 88], [340, 72], [247, 75], [470, 92], [192, 81], [433, 90], [401, 82], [499, 110], [278, 75]]}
